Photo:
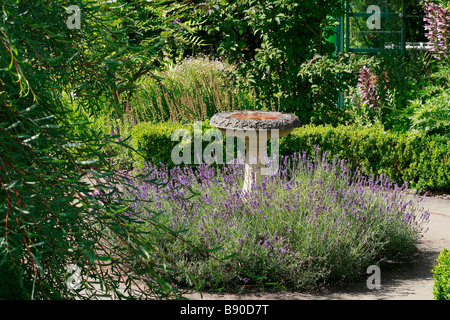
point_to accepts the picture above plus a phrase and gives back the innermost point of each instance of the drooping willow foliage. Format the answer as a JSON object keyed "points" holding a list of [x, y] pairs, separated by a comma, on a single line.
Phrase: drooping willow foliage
{"points": [[57, 239]]}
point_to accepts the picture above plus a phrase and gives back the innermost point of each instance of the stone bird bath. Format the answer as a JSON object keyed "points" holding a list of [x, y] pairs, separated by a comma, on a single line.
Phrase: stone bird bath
{"points": [[255, 128]]}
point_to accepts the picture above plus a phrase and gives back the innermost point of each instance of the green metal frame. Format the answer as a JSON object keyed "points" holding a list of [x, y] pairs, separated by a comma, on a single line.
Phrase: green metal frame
{"points": [[343, 29], [342, 40]]}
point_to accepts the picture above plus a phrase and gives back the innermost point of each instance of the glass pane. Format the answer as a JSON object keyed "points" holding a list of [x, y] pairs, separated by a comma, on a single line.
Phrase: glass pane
{"points": [[386, 5], [375, 24], [414, 23]]}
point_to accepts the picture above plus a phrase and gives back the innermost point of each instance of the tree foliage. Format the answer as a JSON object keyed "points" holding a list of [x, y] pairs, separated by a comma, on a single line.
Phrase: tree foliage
{"points": [[152, 34], [269, 41], [52, 221]]}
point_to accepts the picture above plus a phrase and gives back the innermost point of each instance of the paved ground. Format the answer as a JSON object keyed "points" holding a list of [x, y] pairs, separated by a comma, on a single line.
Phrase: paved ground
{"points": [[401, 282]]}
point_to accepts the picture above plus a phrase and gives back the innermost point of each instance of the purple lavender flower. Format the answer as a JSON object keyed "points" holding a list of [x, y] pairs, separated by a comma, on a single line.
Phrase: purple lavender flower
{"points": [[118, 133], [323, 205]]}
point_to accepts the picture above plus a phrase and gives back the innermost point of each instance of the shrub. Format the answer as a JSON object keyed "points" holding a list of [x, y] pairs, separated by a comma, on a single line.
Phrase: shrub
{"points": [[268, 41], [194, 89], [429, 162], [312, 222], [430, 112], [368, 147], [441, 271], [422, 161], [153, 140], [49, 220], [154, 143], [328, 77]]}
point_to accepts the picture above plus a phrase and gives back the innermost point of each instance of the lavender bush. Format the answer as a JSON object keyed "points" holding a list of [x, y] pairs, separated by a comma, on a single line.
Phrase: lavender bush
{"points": [[313, 222]]}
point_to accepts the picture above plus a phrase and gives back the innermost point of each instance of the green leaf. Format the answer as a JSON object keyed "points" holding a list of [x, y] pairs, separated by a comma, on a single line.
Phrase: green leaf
{"points": [[229, 257], [50, 126], [86, 161], [10, 186], [212, 250]]}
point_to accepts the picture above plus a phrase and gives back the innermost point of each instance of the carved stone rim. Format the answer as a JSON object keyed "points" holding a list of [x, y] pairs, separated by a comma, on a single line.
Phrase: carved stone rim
{"points": [[256, 120]]}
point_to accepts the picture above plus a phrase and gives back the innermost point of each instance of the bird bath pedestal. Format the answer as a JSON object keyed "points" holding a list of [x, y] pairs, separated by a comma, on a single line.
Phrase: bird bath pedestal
{"points": [[255, 128]]}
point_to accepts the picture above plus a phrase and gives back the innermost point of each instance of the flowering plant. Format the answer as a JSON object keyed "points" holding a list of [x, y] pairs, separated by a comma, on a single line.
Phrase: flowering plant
{"points": [[363, 103], [367, 87], [437, 25], [313, 221]]}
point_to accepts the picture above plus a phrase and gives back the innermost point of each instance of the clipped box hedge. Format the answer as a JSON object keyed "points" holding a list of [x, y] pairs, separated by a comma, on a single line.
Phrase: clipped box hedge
{"points": [[423, 161], [441, 275], [154, 140]]}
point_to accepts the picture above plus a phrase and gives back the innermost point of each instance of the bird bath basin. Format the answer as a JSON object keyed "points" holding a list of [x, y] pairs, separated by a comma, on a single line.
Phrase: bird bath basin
{"points": [[255, 115], [255, 128]]}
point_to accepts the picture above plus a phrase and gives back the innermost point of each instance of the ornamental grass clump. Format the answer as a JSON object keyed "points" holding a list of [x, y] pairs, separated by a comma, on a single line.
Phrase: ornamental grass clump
{"points": [[313, 222], [194, 89]]}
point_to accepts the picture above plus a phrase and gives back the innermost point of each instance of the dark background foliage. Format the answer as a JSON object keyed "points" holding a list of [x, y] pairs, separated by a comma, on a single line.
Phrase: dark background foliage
{"points": [[269, 41]]}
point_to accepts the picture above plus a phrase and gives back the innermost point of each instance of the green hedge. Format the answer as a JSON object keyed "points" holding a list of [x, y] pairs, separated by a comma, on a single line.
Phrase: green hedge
{"points": [[154, 140], [441, 271], [423, 161]]}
